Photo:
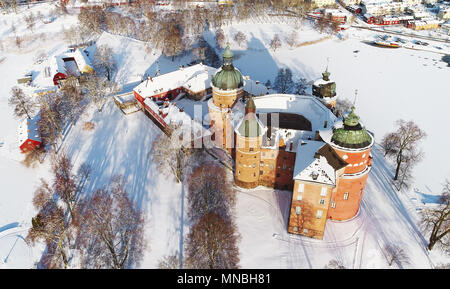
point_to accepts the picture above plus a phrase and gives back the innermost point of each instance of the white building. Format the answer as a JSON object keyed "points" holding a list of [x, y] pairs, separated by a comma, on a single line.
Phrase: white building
{"points": [[322, 3]]}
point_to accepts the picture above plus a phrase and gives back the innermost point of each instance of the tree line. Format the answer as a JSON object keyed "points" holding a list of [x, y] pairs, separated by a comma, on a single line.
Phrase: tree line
{"points": [[212, 242], [103, 229]]}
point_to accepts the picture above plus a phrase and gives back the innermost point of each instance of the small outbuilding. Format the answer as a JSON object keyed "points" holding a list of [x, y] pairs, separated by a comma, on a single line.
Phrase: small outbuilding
{"points": [[29, 137]]}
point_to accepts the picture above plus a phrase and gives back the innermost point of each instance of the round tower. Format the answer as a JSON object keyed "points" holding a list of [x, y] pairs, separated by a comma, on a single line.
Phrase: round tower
{"points": [[325, 90], [227, 86], [352, 143], [249, 134]]}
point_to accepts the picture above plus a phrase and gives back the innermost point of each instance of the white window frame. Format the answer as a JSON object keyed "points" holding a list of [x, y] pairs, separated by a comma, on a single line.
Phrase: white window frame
{"points": [[346, 196], [322, 202], [299, 197], [301, 188], [319, 214], [298, 210], [323, 192]]}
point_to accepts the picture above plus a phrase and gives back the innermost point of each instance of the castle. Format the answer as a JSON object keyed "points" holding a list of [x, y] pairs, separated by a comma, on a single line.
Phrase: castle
{"points": [[293, 142], [283, 141]]}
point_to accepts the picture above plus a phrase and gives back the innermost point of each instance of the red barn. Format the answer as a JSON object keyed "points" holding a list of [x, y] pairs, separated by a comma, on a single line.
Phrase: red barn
{"points": [[29, 137]]}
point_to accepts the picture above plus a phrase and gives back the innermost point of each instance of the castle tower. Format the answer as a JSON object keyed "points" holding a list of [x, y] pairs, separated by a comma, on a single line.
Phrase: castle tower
{"points": [[352, 143], [325, 90], [249, 134], [227, 86]]}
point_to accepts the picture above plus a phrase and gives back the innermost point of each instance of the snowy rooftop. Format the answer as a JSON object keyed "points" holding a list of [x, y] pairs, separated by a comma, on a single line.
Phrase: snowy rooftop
{"points": [[312, 167], [28, 129], [308, 106], [57, 63], [196, 78], [255, 87]]}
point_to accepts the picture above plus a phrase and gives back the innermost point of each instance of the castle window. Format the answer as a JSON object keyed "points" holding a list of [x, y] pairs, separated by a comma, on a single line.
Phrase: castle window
{"points": [[254, 166], [284, 166], [261, 164], [322, 202], [299, 197], [346, 196], [333, 205], [271, 166], [295, 229], [319, 214], [305, 231], [301, 188], [323, 192], [298, 210], [261, 172]]}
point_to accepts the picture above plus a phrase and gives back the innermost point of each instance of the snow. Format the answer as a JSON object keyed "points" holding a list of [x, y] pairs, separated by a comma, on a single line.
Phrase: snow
{"points": [[306, 164], [392, 84]]}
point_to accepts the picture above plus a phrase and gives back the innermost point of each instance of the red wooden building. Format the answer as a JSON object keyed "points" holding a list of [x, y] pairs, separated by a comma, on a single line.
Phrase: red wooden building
{"points": [[29, 137]]}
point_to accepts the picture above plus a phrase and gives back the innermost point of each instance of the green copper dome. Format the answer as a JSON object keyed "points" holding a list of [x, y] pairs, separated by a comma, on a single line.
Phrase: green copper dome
{"points": [[228, 77], [352, 135]]}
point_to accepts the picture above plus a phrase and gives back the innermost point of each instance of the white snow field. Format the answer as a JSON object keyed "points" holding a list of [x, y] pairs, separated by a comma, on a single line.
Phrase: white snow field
{"points": [[391, 84]]}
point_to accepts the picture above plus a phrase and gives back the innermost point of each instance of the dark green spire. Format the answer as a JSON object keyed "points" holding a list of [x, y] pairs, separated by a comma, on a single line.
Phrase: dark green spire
{"points": [[326, 75], [352, 135]]}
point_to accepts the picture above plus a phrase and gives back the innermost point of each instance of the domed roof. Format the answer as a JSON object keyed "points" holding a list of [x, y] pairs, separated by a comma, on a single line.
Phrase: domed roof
{"points": [[352, 134], [228, 77]]}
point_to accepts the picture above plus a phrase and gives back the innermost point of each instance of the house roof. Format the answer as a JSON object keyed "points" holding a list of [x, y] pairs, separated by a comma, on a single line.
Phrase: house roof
{"points": [[28, 129]]}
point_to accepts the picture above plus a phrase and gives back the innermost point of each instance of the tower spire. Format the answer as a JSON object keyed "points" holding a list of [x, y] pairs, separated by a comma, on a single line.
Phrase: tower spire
{"points": [[326, 74], [250, 105], [227, 57]]}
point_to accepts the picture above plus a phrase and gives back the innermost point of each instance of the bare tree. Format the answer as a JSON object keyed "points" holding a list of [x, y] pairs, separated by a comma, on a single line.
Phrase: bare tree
{"points": [[301, 86], [395, 253], [240, 38], [65, 182], [111, 233], [55, 222], [410, 159], [30, 21], [220, 38], [51, 226], [283, 82], [212, 244], [292, 38], [437, 220], [169, 262], [72, 98], [50, 124], [334, 264], [389, 143], [98, 89], [405, 140], [34, 155], [172, 152], [22, 103], [210, 191], [104, 61], [275, 43], [18, 40]]}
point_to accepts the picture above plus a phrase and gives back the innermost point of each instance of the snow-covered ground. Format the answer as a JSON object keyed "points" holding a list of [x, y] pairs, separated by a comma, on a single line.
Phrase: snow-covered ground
{"points": [[391, 84]]}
